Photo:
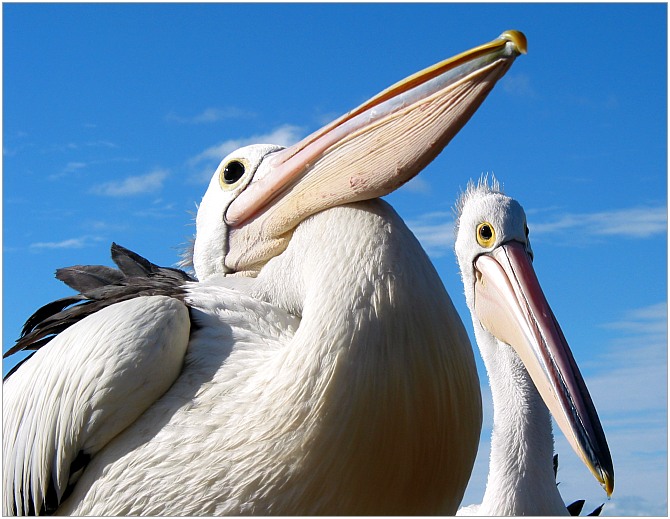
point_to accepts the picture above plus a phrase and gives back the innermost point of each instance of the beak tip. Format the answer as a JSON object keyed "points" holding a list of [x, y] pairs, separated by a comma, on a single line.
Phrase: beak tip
{"points": [[516, 38], [609, 485], [605, 477]]}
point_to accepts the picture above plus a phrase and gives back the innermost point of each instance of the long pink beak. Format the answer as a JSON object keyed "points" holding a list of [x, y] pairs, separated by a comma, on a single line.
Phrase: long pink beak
{"points": [[377, 147], [510, 304]]}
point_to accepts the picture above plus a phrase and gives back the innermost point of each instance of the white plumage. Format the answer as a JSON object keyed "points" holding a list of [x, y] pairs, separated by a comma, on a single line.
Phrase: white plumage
{"points": [[131, 353], [298, 418]]}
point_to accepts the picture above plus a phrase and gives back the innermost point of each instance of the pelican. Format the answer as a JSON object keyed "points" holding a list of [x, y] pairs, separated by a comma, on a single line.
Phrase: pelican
{"points": [[317, 366], [530, 367]]}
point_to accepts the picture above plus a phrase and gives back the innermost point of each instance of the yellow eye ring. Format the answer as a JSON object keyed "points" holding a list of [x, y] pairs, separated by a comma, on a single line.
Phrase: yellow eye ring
{"points": [[232, 172], [486, 234]]}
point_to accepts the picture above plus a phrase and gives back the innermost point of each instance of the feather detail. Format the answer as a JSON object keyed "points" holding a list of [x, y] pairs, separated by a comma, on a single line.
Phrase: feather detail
{"points": [[99, 287]]}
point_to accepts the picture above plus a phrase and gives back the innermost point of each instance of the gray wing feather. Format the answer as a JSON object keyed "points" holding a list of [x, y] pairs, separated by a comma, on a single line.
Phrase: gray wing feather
{"points": [[98, 286]]}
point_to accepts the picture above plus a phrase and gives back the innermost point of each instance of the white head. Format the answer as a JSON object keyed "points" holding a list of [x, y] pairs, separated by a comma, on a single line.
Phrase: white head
{"points": [[233, 175], [487, 218], [508, 305]]}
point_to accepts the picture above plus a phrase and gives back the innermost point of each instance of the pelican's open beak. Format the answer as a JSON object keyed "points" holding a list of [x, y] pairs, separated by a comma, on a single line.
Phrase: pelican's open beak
{"points": [[511, 305], [374, 149]]}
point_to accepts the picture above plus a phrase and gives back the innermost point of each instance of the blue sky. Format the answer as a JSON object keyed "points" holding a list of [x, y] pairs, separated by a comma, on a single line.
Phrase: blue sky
{"points": [[115, 116]]}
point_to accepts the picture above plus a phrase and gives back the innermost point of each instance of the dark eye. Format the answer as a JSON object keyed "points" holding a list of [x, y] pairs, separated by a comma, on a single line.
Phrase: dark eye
{"points": [[485, 234], [233, 172]]}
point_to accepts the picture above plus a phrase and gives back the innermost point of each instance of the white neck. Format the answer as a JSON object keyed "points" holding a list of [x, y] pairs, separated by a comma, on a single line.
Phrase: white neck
{"points": [[378, 334], [521, 479]]}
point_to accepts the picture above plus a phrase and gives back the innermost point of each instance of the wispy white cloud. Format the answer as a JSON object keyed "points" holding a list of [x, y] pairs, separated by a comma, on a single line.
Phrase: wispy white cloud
{"points": [[649, 322], [206, 161], [104, 226], [159, 209], [134, 185], [74, 166], [208, 115], [70, 243], [101, 144], [518, 84], [16, 143], [285, 135], [417, 185], [635, 377], [635, 222], [74, 145], [435, 232], [602, 102], [70, 168]]}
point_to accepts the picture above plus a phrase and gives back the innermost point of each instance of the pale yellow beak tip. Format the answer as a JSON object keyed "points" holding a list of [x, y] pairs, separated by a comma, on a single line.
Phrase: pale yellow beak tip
{"points": [[609, 486], [518, 39]]}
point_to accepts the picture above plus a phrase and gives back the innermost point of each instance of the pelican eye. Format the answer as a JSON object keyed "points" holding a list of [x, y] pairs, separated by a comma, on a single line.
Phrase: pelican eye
{"points": [[231, 173], [486, 234]]}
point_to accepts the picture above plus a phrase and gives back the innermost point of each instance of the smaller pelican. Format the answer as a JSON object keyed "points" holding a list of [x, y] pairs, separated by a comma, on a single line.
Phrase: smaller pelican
{"points": [[527, 359]]}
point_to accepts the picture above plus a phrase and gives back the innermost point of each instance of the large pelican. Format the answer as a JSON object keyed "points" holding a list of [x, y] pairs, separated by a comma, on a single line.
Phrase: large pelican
{"points": [[528, 361], [318, 366]]}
